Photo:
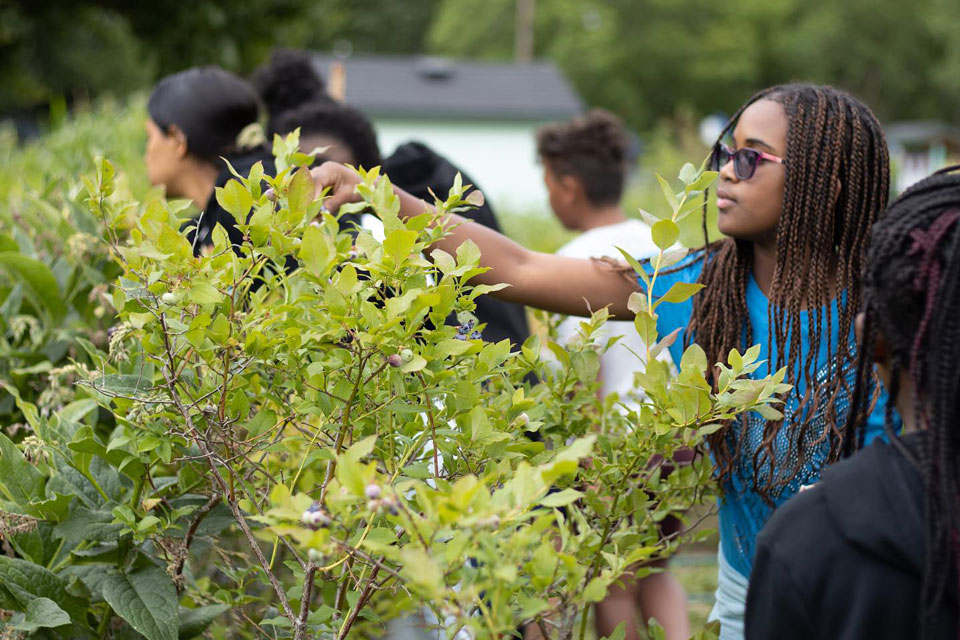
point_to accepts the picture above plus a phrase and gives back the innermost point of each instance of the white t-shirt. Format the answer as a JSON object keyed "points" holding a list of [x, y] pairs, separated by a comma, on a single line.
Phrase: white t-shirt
{"points": [[618, 364]]}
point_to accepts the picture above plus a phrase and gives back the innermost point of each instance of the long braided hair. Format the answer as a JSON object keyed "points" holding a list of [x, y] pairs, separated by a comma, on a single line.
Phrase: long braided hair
{"points": [[837, 182], [912, 300]]}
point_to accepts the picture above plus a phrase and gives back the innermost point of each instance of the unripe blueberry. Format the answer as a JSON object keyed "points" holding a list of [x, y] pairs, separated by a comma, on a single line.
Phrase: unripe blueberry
{"points": [[390, 505], [315, 556], [271, 195], [373, 505], [523, 419], [493, 522], [168, 298], [406, 355], [372, 491], [315, 517], [395, 360]]}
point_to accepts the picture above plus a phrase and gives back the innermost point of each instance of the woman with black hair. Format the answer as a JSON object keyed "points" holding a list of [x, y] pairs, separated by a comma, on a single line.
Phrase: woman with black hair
{"points": [[295, 97], [871, 551], [198, 118]]}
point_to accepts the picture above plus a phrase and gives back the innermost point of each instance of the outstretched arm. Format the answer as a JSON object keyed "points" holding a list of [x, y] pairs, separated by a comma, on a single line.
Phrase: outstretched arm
{"points": [[573, 286]]}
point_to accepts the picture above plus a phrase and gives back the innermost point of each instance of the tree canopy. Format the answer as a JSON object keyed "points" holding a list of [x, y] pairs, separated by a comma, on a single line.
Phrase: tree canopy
{"points": [[640, 58]]}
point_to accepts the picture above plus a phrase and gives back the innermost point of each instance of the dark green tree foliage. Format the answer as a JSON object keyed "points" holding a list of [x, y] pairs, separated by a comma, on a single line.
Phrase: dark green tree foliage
{"points": [[643, 59]]}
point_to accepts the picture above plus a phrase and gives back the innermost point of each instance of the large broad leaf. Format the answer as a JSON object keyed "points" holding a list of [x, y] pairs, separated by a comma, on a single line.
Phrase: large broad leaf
{"points": [[38, 282], [40, 613], [21, 582], [193, 622], [147, 600], [85, 524], [19, 480]]}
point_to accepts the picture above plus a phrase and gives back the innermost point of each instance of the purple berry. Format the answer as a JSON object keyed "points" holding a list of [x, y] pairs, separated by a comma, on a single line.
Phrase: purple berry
{"points": [[372, 491], [476, 335], [395, 360], [459, 336]]}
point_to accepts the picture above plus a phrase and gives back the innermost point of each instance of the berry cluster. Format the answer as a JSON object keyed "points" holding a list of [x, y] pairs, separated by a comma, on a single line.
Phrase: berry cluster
{"points": [[315, 517], [465, 331], [375, 503]]}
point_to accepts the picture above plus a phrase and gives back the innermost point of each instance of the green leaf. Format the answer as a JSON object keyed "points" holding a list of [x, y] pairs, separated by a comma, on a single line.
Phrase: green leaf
{"points": [[300, 191], [25, 581], [586, 364], [40, 613], [316, 251], [694, 357], [561, 498], [595, 591], [86, 524], [668, 193], [193, 622], [399, 244], [680, 292], [204, 293], [124, 385], [235, 199], [38, 282], [621, 631], [362, 448], [468, 253], [688, 173], [443, 260], [147, 600], [19, 480], [665, 233]]}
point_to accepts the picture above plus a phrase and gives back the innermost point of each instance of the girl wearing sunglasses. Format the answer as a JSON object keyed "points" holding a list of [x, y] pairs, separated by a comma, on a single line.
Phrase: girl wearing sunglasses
{"points": [[805, 178]]}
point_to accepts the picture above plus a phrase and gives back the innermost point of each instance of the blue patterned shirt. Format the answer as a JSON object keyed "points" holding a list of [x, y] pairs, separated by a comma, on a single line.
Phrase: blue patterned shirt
{"points": [[743, 512]]}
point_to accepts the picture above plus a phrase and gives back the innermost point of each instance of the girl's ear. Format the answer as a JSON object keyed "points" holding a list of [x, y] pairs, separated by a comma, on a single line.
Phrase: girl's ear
{"points": [[177, 135], [572, 188]]}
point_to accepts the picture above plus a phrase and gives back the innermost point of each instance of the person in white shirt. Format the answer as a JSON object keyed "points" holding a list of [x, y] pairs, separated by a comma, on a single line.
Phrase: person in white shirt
{"points": [[584, 168]]}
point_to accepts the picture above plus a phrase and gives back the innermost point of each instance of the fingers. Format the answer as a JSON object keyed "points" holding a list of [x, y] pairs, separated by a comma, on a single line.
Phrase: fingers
{"points": [[341, 181]]}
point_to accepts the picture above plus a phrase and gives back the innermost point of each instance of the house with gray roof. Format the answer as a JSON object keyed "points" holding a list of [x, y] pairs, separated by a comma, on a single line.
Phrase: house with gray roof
{"points": [[920, 147], [481, 115]]}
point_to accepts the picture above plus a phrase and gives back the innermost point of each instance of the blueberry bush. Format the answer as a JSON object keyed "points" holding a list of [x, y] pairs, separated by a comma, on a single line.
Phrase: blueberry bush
{"points": [[234, 447]]}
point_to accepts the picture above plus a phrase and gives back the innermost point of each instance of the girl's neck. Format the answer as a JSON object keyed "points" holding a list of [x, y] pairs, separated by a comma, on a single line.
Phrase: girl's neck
{"points": [[198, 184], [764, 265]]}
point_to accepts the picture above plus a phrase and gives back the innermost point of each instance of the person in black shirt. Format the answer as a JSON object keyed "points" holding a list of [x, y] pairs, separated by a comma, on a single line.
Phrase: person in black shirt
{"points": [[198, 117], [295, 97], [872, 550]]}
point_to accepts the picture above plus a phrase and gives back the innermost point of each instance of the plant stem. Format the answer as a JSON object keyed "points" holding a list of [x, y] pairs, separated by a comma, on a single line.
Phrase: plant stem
{"points": [[351, 618], [301, 626]]}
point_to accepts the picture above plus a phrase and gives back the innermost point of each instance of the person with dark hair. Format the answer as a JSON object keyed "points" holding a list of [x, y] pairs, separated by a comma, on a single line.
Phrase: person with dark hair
{"points": [[418, 170], [802, 179], [286, 82], [349, 138], [873, 549], [196, 120], [584, 168], [347, 134]]}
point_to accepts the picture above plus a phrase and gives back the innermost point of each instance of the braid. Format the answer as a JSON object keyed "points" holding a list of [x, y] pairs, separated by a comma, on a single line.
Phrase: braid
{"points": [[912, 300], [837, 182]]}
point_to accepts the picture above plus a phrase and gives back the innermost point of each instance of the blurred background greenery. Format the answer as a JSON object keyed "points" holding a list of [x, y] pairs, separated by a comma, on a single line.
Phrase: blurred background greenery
{"points": [[640, 58]]}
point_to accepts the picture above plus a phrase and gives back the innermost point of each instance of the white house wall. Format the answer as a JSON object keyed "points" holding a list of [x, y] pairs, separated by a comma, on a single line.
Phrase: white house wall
{"points": [[500, 156]]}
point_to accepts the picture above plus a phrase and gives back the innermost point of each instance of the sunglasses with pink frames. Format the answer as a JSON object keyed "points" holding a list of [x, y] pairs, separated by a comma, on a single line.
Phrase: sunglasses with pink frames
{"points": [[745, 160]]}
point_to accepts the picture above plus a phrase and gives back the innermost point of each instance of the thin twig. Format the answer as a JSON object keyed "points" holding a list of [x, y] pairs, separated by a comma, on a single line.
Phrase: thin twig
{"points": [[191, 532]]}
